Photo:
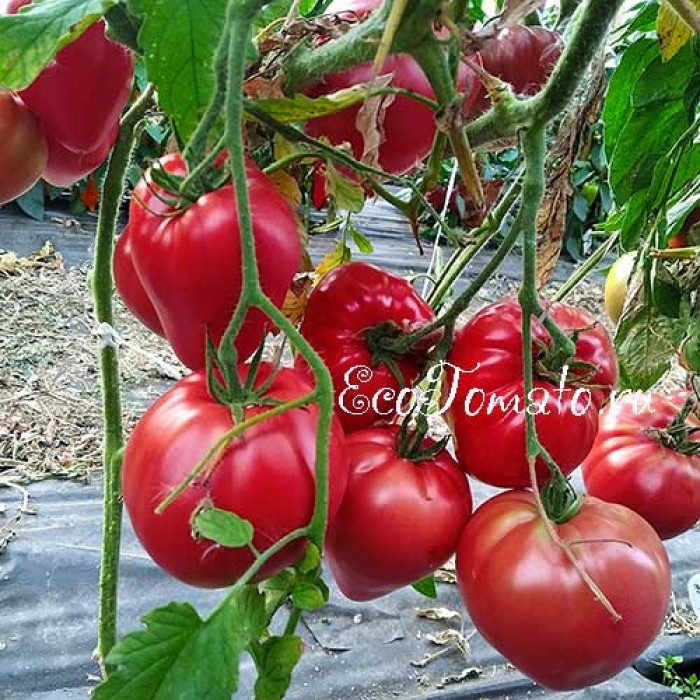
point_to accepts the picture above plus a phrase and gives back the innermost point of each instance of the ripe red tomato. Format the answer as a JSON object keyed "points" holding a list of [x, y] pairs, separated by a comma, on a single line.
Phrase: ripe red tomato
{"points": [[80, 95], [631, 467], [266, 477], [348, 302], [130, 288], [528, 601], [408, 126], [522, 56], [685, 237], [22, 148], [189, 264], [479, 398], [399, 520], [64, 167]]}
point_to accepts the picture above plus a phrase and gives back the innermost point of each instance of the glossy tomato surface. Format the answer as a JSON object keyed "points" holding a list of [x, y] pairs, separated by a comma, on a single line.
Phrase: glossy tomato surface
{"points": [[64, 167], [483, 393], [80, 95], [408, 127], [522, 56], [266, 477], [189, 264], [399, 520], [630, 466], [23, 150], [347, 303], [528, 601]]}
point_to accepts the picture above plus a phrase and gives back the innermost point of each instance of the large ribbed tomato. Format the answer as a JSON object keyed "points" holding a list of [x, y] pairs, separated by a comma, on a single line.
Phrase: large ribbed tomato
{"points": [[484, 393], [632, 466], [408, 126], [266, 477], [188, 263], [522, 56], [529, 602], [348, 303], [22, 148], [399, 521]]}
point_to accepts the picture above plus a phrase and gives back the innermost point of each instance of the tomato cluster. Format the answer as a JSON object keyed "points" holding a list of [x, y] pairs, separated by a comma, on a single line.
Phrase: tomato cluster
{"points": [[63, 125]]}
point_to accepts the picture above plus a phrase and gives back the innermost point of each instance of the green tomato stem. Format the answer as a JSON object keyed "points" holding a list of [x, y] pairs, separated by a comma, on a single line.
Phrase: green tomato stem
{"points": [[109, 372]]}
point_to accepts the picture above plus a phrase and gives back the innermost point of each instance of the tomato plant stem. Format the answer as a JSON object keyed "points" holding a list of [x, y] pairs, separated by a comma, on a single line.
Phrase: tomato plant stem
{"points": [[109, 373]]}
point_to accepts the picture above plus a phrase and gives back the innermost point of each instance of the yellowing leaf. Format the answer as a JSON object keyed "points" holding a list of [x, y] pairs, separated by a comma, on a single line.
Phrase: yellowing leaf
{"points": [[337, 257], [297, 298], [672, 30], [288, 187], [300, 107], [46, 257]]}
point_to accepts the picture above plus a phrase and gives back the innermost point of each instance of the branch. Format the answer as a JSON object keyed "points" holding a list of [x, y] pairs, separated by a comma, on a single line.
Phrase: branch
{"points": [[588, 32], [359, 44]]}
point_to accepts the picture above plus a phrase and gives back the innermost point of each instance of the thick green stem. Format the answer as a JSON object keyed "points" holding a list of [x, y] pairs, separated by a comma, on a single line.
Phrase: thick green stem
{"points": [[109, 371]]}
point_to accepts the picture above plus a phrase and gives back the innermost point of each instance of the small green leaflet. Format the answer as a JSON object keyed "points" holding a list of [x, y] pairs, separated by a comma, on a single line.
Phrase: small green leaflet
{"points": [[309, 596], [223, 527], [179, 655], [300, 107], [310, 561], [349, 195], [179, 38], [32, 37], [364, 245], [426, 587], [275, 661]]}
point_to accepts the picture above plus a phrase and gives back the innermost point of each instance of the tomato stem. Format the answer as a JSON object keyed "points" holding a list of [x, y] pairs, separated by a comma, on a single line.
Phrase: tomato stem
{"points": [[112, 188]]}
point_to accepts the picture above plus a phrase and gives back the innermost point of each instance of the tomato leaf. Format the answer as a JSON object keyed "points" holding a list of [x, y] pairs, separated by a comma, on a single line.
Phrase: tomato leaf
{"points": [[672, 30], [300, 107], [179, 39], [32, 202], [337, 257], [223, 527], [33, 36], [310, 561], [123, 27], [275, 661], [181, 655], [308, 596], [364, 245], [617, 107], [426, 587], [349, 195]]}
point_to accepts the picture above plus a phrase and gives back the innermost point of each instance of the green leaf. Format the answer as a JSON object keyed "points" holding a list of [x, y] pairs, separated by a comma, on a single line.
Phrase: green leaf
{"points": [[179, 38], [223, 527], [275, 661], [276, 589], [616, 111], [310, 561], [426, 587], [645, 344], [364, 245], [123, 27], [308, 596], [32, 202], [349, 195], [300, 107], [31, 38], [179, 655]]}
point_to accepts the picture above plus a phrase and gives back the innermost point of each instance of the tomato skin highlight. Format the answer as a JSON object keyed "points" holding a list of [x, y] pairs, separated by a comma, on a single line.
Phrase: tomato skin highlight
{"points": [[23, 151], [528, 601], [629, 467], [490, 445], [399, 520], [266, 476], [346, 303], [189, 264]]}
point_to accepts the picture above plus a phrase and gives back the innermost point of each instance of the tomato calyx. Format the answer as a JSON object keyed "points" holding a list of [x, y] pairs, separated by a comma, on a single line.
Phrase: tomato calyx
{"points": [[678, 435], [411, 440], [559, 498]]}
